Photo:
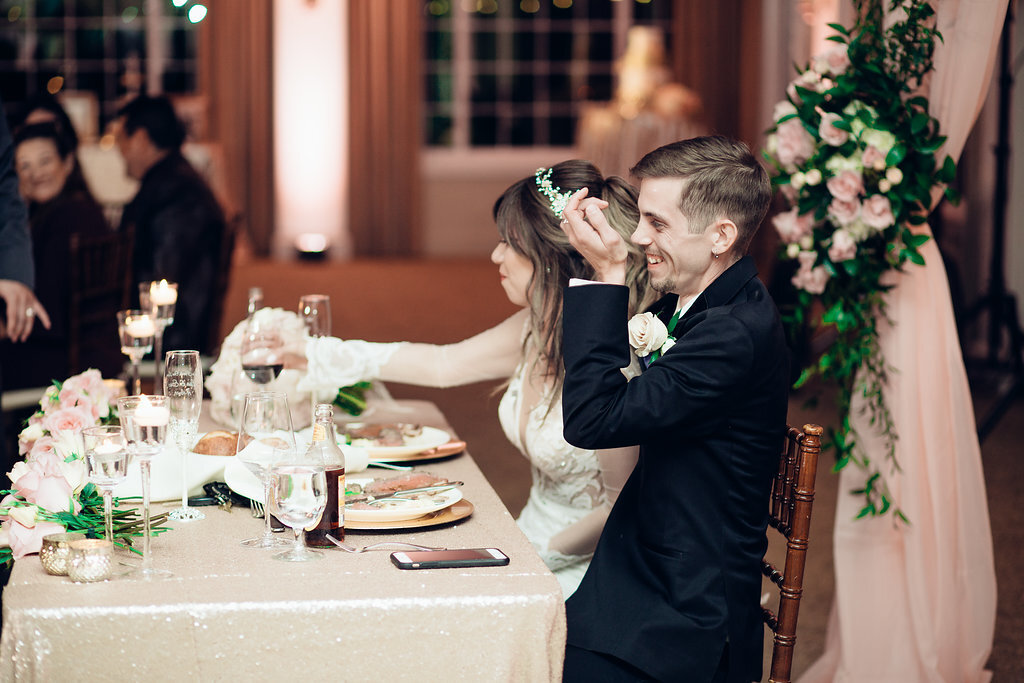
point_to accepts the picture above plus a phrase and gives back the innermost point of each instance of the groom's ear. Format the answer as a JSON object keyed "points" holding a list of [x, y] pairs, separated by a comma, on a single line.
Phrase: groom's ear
{"points": [[724, 233]]}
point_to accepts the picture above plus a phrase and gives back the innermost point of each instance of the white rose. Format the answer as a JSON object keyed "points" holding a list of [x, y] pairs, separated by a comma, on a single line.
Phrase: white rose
{"points": [[68, 445], [792, 250], [24, 515], [646, 333], [783, 108], [20, 469], [894, 175], [76, 474], [807, 242], [884, 185], [32, 432], [882, 139], [798, 180], [813, 177]]}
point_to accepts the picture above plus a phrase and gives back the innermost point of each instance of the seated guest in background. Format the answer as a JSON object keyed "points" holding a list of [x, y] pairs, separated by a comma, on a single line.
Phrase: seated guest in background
{"points": [[45, 108], [674, 587], [573, 488], [58, 207], [178, 223]]}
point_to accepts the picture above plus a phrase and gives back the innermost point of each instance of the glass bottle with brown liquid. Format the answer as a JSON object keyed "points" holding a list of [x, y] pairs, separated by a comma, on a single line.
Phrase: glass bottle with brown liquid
{"points": [[324, 441]]}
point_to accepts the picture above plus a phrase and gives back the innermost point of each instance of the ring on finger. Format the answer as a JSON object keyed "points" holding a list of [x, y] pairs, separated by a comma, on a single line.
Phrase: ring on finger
{"points": [[29, 312]]}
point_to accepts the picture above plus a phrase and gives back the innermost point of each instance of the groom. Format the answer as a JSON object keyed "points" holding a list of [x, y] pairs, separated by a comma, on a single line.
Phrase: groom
{"points": [[673, 590]]}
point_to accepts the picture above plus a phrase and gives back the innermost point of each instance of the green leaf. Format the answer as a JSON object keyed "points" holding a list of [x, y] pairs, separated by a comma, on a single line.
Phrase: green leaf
{"points": [[919, 122], [865, 511], [915, 257], [931, 145], [839, 28], [917, 240], [896, 154], [948, 171]]}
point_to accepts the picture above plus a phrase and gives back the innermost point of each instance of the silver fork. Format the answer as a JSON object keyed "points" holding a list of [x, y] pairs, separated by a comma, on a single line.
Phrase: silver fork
{"points": [[256, 508], [383, 545]]}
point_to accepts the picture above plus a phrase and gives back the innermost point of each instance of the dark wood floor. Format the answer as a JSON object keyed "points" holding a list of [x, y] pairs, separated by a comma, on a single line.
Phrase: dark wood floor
{"points": [[445, 301]]}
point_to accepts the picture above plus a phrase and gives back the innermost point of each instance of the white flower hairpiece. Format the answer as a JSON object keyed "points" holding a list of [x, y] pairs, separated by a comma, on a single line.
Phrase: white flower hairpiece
{"points": [[556, 197]]}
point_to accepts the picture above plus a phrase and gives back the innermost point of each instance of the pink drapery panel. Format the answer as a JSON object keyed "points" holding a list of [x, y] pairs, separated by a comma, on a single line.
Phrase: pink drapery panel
{"points": [[918, 602], [235, 67]]}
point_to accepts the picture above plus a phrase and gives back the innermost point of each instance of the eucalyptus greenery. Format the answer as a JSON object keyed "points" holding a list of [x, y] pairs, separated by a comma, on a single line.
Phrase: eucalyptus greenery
{"points": [[864, 104]]}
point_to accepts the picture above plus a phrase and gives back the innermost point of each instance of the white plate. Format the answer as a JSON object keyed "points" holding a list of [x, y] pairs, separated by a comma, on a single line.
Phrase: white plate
{"points": [[243, 482], [397, 510], [430, 437], [165, 475]]}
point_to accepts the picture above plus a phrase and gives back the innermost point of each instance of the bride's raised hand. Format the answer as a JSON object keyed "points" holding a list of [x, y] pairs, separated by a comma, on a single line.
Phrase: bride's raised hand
{"points": [[590, 234]]}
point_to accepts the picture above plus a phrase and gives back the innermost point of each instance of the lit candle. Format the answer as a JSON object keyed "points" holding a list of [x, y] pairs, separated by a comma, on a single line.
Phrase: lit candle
{"points": [[149, 415], [108, 447], [163, 293], [140, 326]]}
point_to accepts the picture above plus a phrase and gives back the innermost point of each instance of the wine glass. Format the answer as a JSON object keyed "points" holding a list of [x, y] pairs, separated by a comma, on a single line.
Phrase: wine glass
{"points": [[183, 386], [137, 331], [266, 425], [315, 311], [106, 454], [159, 299], [298, 496], [144, 419], [262, 353]]}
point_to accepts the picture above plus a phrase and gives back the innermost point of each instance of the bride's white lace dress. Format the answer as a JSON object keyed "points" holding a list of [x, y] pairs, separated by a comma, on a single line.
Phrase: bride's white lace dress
{"points": [[572, 490]]}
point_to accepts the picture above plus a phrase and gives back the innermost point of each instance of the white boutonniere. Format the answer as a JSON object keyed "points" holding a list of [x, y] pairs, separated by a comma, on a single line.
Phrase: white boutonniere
{"points": [[649, 336]]}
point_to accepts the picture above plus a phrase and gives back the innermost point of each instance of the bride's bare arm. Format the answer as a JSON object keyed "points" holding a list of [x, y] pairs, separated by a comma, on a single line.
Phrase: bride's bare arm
{"points": [[492, 354]]}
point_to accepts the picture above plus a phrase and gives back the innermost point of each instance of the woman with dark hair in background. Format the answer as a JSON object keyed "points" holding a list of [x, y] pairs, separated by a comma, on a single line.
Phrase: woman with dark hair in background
{"points": [[58, 206], [573, 488]]}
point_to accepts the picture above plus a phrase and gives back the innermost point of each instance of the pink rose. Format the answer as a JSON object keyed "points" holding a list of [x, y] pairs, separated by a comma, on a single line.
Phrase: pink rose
{"points": [[25, 540], [54, 494], [843, 247], [847, 186], [72, 419], [795, 144], [829, 133], [42, 445], [843, 212], [72, 397], [835, 61], [48, 463], [791, 226], [873, 158], [811, 280], [877, 212]]}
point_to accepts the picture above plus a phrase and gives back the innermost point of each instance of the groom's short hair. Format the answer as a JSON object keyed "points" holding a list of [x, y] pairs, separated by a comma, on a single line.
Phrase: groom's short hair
{"points": [[724, 180]]}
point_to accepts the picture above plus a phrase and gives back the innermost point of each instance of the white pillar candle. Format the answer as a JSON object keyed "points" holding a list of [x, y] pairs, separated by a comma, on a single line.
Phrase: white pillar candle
{"points": [[140, 326], [163, 293], [149, 415], [108, 447]]}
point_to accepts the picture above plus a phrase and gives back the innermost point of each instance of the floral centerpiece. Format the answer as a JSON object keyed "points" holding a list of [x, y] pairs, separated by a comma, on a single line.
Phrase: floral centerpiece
{"points": [[224, 373], [51, 491], [853, 151]]}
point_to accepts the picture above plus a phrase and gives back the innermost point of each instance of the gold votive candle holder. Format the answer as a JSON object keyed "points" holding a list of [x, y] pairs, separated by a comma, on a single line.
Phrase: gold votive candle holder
{"points": [[91, 559], [55, 552]]}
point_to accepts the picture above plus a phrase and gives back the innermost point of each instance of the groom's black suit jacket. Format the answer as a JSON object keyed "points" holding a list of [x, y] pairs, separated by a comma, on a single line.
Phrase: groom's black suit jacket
{"points": [[676, 574]]}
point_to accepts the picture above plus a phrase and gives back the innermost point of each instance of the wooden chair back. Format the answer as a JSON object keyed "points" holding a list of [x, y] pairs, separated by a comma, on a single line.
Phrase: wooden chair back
{"points": [[790, 514], [100, 286]]}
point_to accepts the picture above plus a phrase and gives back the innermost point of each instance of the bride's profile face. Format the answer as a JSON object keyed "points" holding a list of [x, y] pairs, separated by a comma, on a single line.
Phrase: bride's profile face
{"points": [[515, 270]]}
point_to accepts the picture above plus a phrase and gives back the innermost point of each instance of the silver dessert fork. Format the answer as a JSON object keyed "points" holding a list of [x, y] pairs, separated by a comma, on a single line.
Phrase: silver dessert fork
{"points": [[383, 545], [256, 507]]}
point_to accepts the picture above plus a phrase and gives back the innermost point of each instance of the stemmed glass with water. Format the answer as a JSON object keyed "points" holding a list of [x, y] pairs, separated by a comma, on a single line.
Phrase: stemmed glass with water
{"points": [[298, 496], [183, 386], [137, 330], [315, 312], [106, 454], [265, 427], [145, 419]]}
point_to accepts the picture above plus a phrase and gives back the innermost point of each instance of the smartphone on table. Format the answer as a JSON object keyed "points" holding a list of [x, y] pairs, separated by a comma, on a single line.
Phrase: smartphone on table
{"points": [[459, 557]]}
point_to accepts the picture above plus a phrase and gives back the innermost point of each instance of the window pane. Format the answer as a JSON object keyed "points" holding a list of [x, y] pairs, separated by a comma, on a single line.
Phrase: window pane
{"points": [[439, 130], [89, 44], [483, 131]]}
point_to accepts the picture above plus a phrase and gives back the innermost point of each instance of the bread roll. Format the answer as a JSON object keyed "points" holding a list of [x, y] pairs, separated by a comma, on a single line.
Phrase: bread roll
{"points": [[217, 442]]}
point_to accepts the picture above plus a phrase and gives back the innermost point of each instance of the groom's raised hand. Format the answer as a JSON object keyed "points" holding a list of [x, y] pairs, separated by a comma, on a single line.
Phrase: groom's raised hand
{"points": [[590, 234]]}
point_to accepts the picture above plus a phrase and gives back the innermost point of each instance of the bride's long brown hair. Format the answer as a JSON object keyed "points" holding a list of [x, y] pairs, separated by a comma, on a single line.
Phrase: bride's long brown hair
{"points": [[527, 223]]}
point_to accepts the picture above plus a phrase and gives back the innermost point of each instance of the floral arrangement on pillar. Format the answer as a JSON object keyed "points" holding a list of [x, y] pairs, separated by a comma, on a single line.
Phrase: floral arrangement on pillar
{"points": [[853, 149]]}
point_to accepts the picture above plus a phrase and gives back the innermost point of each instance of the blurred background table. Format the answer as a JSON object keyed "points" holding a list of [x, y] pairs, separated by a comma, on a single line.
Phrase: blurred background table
{"points": [[233, 612]]}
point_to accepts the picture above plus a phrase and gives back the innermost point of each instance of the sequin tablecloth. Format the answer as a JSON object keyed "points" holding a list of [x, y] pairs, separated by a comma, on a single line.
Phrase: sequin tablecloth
{"points": [[231, 612]]}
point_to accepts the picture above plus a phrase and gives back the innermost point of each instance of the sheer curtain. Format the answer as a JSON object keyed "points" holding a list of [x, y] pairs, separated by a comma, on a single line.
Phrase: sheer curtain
{"points": [[917, 602], [235, 45]]}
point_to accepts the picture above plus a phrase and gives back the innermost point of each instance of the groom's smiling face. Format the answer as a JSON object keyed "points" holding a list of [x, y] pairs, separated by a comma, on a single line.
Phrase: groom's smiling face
{"points": [[678, 260]]}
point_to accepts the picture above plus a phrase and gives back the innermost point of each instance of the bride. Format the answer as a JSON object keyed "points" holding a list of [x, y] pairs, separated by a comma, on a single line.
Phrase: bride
{"points": [[573, 489]]}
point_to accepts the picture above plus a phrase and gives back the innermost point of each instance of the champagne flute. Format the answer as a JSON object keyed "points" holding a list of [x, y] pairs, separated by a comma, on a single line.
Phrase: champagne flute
{"points": [[145, 420], [298, 496], [183, 385], [106, 454], [315, 311], [266, 425], [137, 331], [159, 299]]}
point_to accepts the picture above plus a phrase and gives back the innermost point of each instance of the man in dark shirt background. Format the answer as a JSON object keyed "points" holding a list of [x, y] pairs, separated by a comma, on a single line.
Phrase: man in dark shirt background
{"points": [[178, 223]]}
